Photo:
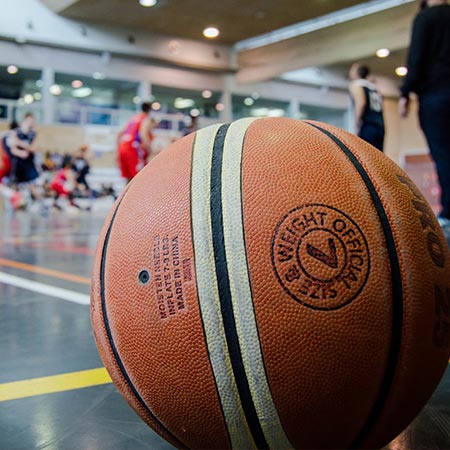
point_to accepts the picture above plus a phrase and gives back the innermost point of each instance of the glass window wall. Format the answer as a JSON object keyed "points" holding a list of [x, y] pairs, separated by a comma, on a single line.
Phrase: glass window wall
{"points": [[332, 116], [173, 100], [254, 106], [73, 93]]}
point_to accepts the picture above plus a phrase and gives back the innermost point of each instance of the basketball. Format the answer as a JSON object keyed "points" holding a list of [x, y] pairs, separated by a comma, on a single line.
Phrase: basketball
{"points": [[273, 284]]}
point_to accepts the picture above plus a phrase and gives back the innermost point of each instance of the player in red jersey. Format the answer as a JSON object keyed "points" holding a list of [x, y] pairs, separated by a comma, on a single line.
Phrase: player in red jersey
{"points": [[134, 143]]}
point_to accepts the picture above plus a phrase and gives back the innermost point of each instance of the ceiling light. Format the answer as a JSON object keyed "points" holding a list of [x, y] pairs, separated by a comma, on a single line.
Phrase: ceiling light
{"points": [[156, 106], [401, 71], [55, 89], [211, 32], [148, 3], [183, 103], [383, 52], [220, 107], [206, 94], [28, 99], [136, 99], [37, 96], [248, 101], [194, 112], [77, 84], [12, 69], [174, 47], [82, 92], [98, 76]]}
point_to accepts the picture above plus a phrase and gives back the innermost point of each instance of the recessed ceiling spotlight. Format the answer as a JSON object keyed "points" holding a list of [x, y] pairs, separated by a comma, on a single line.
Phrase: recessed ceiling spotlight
{"points": [[77, 84], [136, 99], [220, 107], [401, 71], [248, 101], [174, 46], [206, 93], [148, 3], [156, 106], [383, 52], [194, 112], [12, 69], [211, 32]]}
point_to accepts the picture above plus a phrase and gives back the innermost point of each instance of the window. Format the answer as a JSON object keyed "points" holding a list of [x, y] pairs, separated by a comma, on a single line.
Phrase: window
{"points": [[20, 92], [332, 116], [174, 100], [73, 93], [249, 106]]}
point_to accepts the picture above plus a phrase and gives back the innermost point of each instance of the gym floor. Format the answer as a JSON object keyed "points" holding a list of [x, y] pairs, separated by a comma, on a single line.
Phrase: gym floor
{"points": [[54, 392]]}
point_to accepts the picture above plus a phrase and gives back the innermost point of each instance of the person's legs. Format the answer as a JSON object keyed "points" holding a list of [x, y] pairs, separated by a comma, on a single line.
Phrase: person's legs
{"points": [[35, 192], [82, 178], [434, 115], [128, 161], [373, 135], [379, 142]]}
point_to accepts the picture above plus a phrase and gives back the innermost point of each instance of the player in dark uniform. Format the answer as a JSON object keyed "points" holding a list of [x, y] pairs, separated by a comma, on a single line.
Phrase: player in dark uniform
{"points": [[80, 165], [19, 144], [368, 103]]}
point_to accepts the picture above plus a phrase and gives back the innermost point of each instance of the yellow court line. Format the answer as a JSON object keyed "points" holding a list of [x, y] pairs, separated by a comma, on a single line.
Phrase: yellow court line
{"points": [[53, 383], [44, 271]]}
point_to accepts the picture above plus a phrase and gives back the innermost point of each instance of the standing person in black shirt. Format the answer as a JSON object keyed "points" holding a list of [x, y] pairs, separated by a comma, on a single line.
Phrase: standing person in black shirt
{"points": [[368, 105], [429, 77]]}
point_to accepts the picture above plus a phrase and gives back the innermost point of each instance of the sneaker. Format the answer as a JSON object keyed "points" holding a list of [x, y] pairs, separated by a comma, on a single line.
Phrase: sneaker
{"points": [[443, 222]]}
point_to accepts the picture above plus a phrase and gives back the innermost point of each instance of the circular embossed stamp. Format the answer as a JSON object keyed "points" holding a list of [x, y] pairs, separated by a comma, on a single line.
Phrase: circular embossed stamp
{"points": [[320, 256]]}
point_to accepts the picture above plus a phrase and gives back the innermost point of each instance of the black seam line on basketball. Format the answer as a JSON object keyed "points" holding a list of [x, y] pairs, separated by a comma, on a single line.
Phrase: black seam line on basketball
{"points": [[397, 292], [248, 273], [201, 316], [223, 283], [110, 339]]}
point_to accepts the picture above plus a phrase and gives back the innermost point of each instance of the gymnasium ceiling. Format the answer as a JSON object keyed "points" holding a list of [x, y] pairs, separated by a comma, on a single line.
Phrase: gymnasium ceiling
{"points": [[333, 47], [237, 19], [383, 66]]}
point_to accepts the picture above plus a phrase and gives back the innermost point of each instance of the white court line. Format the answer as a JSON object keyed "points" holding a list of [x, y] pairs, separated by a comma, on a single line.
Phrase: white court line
{"points": [[46, 289]]}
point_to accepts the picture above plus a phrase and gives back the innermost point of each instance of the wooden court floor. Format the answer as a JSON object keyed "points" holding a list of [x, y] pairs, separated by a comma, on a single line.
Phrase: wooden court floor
{"points": [[54, 392]]}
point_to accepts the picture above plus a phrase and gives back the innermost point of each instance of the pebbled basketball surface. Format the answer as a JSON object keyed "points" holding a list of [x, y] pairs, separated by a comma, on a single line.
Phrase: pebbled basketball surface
{"points": [[296, 296]]}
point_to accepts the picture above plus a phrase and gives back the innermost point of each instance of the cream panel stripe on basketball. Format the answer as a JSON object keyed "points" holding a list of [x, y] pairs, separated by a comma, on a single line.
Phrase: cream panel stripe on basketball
{"points": [[208, 294], [240, 288]]}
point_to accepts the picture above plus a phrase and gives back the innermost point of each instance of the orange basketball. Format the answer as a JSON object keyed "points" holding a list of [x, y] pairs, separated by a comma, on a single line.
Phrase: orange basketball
{"points": [[273, 284]]}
